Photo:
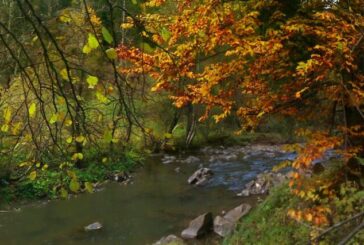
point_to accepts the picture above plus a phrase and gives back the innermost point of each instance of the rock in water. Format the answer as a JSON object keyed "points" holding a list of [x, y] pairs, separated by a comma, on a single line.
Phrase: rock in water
{"points": [[200, 176], [93, 227], [169, 240], [198, 227], [191, 159], [223, 226], [262, 184]]}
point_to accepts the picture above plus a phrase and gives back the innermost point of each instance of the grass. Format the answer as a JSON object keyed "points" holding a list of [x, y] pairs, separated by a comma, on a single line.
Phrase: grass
{"points": [[268, 222]]}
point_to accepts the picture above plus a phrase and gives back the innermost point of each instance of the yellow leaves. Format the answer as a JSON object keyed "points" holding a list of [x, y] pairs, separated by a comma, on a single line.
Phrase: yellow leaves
{"points": [[92, 81], [95, 20], [92, 43], [89, 187], [154, 3], [77, 156], [32, 110], [64, 74], [111, 53], [126, 25], [86, 49], [80, 139], [102, 98], [65, 18], [168, 135], [69, 140], [54, 118], [68, 122], [32, 176], [7, 114]]}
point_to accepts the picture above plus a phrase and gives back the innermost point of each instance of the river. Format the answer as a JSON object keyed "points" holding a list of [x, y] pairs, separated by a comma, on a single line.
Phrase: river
{"points": [[159, 202]]}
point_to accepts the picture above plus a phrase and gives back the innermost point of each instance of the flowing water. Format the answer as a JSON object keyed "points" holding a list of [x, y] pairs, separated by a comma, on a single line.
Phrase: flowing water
{"points": [[159, 202]]}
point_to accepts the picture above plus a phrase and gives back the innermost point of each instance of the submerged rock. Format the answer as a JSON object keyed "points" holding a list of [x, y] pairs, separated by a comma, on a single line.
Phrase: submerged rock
{"points": [[93, 227], [191, 159], [223, 226], [169, 240], [198, 227], [167, 159], [200, 176]]}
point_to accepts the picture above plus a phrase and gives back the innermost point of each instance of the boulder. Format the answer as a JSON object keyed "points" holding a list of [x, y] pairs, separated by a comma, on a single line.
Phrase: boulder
{"points": [[93, 227], [262, 184], [200, 176], [223, 226], [237, 213], [191, 159], [198, 227], [169, 240]]}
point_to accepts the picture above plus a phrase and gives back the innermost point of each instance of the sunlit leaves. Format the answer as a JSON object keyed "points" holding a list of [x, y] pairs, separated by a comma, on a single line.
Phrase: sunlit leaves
{"points": [[32, 175], [64, 74], [80, 139], [92, 43], [65, 18], [77, 156], [111, 53], [32, 110], [92, 81], [7, 114], [54, 118]]}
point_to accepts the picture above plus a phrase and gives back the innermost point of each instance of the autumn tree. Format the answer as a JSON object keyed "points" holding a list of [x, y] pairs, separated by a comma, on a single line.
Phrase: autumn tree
{"points": [[301, 59]]}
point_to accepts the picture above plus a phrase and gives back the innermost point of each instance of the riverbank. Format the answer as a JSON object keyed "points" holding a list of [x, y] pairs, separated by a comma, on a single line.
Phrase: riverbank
{"points": [[65, 180], [268, 223]]}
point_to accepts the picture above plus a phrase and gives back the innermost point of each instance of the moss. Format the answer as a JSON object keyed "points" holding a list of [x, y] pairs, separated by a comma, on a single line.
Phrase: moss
{"points": [[268, 222]]}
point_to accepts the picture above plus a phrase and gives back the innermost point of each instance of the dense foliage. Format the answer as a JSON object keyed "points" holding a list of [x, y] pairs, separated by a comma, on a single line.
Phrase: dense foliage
{"points": [[85, 83], [301, 59]]}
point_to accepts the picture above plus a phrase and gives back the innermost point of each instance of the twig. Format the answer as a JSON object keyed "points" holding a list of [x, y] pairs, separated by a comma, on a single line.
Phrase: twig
{"points": [[348, 237], [338, 225]]}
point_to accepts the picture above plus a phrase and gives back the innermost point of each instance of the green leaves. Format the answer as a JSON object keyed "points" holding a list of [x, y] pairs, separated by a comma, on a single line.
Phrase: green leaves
{"points": [[92, 81], [106, 35]]}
